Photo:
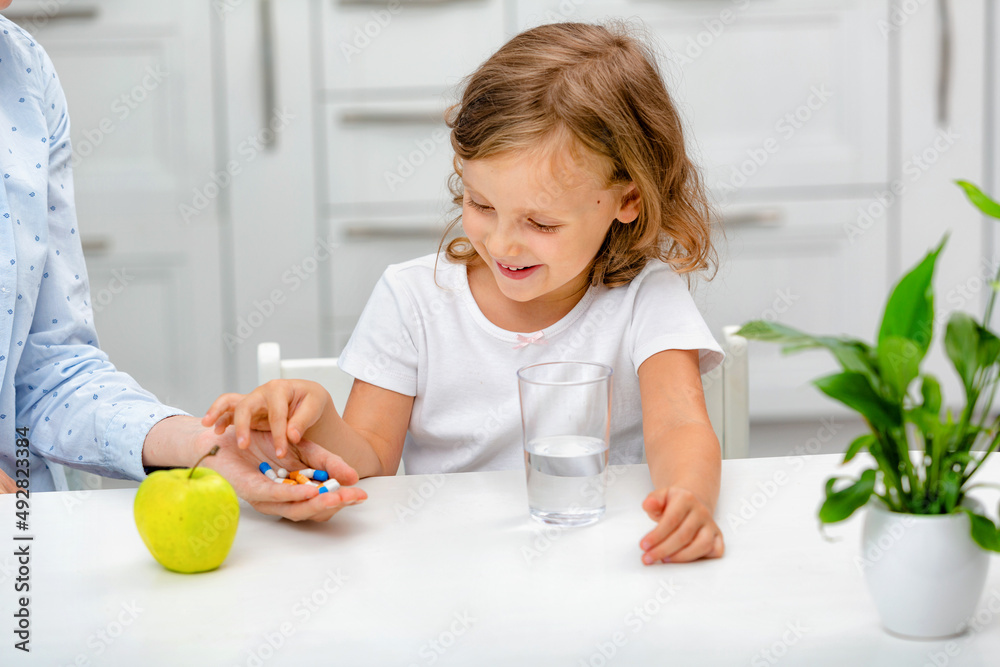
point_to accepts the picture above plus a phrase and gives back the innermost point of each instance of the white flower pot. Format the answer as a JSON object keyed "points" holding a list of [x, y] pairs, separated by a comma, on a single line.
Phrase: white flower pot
{"points": [[925, 573]]}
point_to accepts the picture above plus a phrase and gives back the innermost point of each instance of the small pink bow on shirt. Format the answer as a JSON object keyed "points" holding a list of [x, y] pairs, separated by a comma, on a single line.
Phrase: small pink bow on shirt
{"points": [[524, 341]]}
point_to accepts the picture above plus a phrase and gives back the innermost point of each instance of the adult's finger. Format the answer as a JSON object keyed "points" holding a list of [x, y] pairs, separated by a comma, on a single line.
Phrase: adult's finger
{"points": [[323, 505]]}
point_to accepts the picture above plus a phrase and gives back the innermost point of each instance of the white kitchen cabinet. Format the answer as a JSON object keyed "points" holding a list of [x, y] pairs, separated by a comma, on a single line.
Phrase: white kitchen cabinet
{"points": [[399, 152], [139, 88], [374, 46]]}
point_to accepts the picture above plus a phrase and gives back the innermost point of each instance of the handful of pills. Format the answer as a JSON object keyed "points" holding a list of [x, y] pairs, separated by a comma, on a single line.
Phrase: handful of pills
{"points": [[320, 478]]}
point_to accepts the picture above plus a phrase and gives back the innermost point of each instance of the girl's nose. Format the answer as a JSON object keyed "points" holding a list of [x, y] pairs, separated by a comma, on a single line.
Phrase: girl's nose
{"points": [[503, 240]]}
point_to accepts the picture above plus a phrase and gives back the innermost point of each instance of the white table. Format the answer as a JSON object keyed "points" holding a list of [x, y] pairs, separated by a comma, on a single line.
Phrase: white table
{"points": [[466, 578]]}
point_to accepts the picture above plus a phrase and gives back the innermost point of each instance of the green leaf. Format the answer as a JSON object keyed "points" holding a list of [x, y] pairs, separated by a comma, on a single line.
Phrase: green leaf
{"points": [[961, 342], [909, 313], [861, 442], [855, 391], [980, 199], [841, 504], [930, 390], [989, 347], [852, 354], [970, 347], [984, 531], [899, 363]]}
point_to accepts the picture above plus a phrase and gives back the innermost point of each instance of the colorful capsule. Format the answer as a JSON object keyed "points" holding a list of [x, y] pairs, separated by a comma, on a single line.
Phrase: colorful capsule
{"points": [[265, 468], [320, 475], [287, 481], [329, 485], [298, 477]]}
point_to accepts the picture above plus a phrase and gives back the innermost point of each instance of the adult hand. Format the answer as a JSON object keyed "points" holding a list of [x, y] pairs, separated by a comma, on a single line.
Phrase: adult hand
{"points": [[685, 530], [296, 502], [7, 485]]}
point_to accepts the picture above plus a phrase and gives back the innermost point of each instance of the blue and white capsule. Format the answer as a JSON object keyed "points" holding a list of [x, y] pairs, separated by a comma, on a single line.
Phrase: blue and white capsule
{"points": [[265, 468], [329, 485]]}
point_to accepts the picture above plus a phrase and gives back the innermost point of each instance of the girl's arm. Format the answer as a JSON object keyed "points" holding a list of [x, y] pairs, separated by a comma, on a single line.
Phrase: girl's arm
{"points": [[371, 434], [684, 460]]}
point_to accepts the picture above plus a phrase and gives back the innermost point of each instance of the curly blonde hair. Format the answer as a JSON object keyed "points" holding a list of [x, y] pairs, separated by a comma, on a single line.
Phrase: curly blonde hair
{"points": [[600, 86]]}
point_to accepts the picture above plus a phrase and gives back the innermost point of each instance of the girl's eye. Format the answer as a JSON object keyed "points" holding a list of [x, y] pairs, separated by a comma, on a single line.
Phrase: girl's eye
{"points": [[478, 206], [543, 228]]}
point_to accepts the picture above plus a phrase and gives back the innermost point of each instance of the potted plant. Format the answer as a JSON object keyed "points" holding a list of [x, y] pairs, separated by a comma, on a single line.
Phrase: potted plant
{"points": [[927, 542]]}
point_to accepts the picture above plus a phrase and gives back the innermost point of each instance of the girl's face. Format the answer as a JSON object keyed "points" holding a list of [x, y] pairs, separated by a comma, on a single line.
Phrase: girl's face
{"points": [[537, 221]]}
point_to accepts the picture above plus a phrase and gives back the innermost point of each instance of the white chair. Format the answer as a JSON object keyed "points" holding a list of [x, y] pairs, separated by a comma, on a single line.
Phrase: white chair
{"points": [[727, 396], [726, 391]]}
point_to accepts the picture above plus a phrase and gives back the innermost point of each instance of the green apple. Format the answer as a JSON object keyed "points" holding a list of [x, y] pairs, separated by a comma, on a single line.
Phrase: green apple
{"points": [[187, 517]]}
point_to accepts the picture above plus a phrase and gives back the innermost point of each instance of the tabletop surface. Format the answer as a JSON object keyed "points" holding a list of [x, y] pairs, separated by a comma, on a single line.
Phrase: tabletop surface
{"points": [[450, 570]]}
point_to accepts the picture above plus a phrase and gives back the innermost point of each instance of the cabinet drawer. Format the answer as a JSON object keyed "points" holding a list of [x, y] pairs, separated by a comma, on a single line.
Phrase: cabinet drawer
{"points": [[356, 268], [45, 17], [388, 152], [378, 44], [776, 94]]}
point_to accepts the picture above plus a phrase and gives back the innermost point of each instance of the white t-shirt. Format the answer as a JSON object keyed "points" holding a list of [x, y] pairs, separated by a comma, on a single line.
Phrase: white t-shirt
{"points": [[432, 342]]}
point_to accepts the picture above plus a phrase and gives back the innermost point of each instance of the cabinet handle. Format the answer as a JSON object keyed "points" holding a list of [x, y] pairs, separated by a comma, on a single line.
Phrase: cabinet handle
{"points": [[763, 217], [96, 245], [369, 3], [944, 64], [40, 18], [367, 231], [390, 117], [268, 139]]}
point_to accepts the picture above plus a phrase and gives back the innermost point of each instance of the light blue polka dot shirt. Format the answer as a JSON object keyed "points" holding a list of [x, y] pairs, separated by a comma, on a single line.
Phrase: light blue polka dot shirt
{"points": [[79, 410]]}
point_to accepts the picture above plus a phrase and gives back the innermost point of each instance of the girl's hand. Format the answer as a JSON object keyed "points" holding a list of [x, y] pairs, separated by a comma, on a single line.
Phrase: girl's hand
{"points": [[286, 408], [292, 501], [685, 530]]}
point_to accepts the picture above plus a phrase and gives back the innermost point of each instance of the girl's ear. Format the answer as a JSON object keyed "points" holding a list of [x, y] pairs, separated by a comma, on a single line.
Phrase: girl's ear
{"points": [[628, 211]]}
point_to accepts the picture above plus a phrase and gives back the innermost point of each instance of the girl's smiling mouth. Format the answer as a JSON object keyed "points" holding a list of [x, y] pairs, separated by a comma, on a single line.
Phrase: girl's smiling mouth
{"points": [[517, 272]]}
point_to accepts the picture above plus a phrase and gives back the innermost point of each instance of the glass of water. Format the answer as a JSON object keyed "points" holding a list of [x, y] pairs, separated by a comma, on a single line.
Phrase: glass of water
{"points": [[566, 416]]}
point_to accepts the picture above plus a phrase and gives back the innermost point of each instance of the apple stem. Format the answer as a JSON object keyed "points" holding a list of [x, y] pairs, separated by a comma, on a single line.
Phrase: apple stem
{"points": [[211, 452]]}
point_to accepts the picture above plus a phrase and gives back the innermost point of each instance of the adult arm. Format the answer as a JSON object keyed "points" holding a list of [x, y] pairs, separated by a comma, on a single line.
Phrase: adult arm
{"points": [[79, 409]]}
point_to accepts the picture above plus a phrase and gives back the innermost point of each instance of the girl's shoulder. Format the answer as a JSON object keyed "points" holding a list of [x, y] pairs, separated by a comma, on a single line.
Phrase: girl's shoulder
{"points": [[428, 268], [656, 275], [425, 277]]}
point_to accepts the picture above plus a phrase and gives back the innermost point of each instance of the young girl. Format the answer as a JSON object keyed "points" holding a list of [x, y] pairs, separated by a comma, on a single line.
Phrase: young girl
{"points": [[580, 208]]}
